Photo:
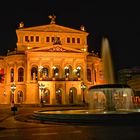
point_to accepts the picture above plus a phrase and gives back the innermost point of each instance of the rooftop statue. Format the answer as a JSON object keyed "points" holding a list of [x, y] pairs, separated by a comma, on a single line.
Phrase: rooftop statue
{"points": [[52, 17]]}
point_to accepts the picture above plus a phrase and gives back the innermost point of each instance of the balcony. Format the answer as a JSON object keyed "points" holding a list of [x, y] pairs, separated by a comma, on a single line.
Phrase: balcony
{"points": [[60, 79]]}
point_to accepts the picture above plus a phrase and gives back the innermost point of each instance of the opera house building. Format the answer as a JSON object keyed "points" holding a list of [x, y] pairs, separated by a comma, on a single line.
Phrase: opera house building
{"points": [[50, 64]]}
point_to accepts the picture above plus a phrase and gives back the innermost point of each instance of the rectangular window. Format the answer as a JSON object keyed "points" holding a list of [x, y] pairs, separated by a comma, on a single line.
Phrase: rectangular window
{"points": [[32, 38], [78, 40], [27, 38], [52, 39], [73, 40], [68, 40], [37, 38], [47, 39], [58, 38]]}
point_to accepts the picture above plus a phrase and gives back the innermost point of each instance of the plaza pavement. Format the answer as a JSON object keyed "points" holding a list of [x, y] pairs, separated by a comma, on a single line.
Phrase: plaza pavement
{"points": [[26, 110], [24, 114], [13, 129]]}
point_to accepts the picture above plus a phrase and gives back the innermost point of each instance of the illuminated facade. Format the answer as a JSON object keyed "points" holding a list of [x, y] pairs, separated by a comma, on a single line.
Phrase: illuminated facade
{"points": [[50, 64]]}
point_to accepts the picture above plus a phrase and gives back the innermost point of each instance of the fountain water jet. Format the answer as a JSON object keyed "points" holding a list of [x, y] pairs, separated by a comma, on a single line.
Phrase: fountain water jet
{"points": [[107, 62]]}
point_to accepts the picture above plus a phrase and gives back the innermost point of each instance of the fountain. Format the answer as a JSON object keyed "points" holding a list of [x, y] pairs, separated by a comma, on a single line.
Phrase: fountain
{"points": [[107, 102], [107, 62], [110, 97]]}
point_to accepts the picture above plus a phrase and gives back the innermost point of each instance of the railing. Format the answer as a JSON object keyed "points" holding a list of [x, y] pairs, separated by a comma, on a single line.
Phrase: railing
{"points": [[57, 79]]}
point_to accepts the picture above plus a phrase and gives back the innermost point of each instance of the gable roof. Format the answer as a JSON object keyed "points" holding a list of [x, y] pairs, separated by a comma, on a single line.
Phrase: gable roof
{"points": [[52, 28]]}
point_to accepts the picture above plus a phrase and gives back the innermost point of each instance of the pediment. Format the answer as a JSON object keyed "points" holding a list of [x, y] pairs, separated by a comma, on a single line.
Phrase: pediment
{"points": [[54, 48], [57, 49], [52, 28]]}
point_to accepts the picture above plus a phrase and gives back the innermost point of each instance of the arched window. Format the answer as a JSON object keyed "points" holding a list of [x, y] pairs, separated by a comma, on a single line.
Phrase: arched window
{"points": [[12, 75], [34, 72], [20, 75], [1, 75], [67, 71], [78, 71], [55, 72], [89, 75], [59, 96], [72, 95], [95, 75], [45, 73], [46, 96]]}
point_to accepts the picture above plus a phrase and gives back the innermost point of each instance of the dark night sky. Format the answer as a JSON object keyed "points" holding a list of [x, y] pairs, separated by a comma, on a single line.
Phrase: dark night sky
{"points": [[119, 21]]}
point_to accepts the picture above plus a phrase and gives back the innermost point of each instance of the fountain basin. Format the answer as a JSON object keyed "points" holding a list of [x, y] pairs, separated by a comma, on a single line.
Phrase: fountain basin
{"points": [[89, 116], [111, 97], [109, 103]]}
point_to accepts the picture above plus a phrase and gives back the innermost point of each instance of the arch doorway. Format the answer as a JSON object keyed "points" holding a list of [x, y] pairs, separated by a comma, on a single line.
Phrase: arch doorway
{"points": [[20, 97], [72, 95], [46, 96], [59, 96]]}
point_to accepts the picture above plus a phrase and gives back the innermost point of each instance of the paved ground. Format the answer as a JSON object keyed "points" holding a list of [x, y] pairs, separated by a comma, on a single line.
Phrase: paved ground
{"points": [[24, 114], [12, 129], [24, 110]]}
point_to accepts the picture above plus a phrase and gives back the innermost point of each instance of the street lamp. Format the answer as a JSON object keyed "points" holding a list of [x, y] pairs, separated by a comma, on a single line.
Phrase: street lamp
{"points": [[83, 87], [41, 87], [13, 88]]}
